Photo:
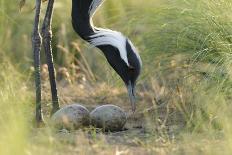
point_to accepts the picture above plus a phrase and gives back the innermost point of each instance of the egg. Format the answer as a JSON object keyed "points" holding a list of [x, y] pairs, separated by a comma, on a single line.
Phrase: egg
{"points": [[108, 117], [71, 117]]}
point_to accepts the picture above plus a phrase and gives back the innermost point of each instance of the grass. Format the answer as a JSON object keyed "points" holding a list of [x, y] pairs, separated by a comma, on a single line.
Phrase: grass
{"points": [[184, 93]]}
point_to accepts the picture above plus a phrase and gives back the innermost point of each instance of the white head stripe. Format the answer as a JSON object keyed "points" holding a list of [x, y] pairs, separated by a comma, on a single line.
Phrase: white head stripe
{"points": [[113, 38], [94, 5]]}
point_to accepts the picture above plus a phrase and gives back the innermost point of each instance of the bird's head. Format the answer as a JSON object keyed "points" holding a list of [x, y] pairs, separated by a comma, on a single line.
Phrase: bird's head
{"points": [[122, 56], [128, 71], [132, 71]]}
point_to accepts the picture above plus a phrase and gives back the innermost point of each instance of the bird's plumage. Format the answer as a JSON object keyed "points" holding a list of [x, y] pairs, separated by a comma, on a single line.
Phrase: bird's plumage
{"points": [[118, 49], [113, 38]]}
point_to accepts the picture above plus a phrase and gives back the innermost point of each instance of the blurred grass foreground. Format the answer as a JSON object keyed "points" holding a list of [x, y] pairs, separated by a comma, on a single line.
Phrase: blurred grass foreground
{"points": [[184, 93]]}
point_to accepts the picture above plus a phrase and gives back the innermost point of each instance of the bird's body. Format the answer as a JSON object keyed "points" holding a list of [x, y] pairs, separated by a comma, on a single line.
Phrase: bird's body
{"points": [[118, 49]]}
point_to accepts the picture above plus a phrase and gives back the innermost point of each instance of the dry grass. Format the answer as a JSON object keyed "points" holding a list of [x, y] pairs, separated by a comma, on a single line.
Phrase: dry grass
{"points": [[166, 110]]}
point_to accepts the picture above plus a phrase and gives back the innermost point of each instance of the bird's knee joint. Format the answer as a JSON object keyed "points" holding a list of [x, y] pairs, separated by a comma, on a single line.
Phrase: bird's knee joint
{"points": [[46, 33]]}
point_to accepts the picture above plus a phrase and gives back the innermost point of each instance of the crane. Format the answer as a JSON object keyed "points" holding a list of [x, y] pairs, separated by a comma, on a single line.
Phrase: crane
{"points": [[119, 51]]}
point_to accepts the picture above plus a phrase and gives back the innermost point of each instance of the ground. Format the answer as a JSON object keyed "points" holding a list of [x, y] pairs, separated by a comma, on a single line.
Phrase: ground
{"points": [[154, 128]]}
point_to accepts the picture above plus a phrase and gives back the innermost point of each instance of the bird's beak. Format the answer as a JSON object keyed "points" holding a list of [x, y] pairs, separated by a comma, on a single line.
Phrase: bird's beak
{"points": [[131, 93]]}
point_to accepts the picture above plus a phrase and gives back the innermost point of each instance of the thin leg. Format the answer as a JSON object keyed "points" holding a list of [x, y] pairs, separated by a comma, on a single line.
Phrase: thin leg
{"points": [[36, 45], [47, 37]]}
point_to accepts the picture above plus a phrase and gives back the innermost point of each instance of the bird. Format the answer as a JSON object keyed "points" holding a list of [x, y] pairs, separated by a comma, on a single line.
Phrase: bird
{"points": [[119, 51]]}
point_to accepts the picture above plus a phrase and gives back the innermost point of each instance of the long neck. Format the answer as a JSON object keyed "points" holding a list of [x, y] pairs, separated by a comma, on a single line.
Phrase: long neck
{"points": [[81, 20], [104, 39]]}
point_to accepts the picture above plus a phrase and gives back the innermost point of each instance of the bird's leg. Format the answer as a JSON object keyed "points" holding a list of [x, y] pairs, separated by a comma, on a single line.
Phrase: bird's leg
{"points": [[47, 37], [36, 45]]}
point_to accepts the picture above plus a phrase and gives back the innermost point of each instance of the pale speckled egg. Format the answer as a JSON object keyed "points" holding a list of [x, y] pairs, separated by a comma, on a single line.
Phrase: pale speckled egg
{"points": [[108, 117], [71, 117]]}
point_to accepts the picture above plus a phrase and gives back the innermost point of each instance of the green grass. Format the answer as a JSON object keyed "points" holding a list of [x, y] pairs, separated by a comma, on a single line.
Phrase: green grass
{"points": [[15, 112], [186, 52]]}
